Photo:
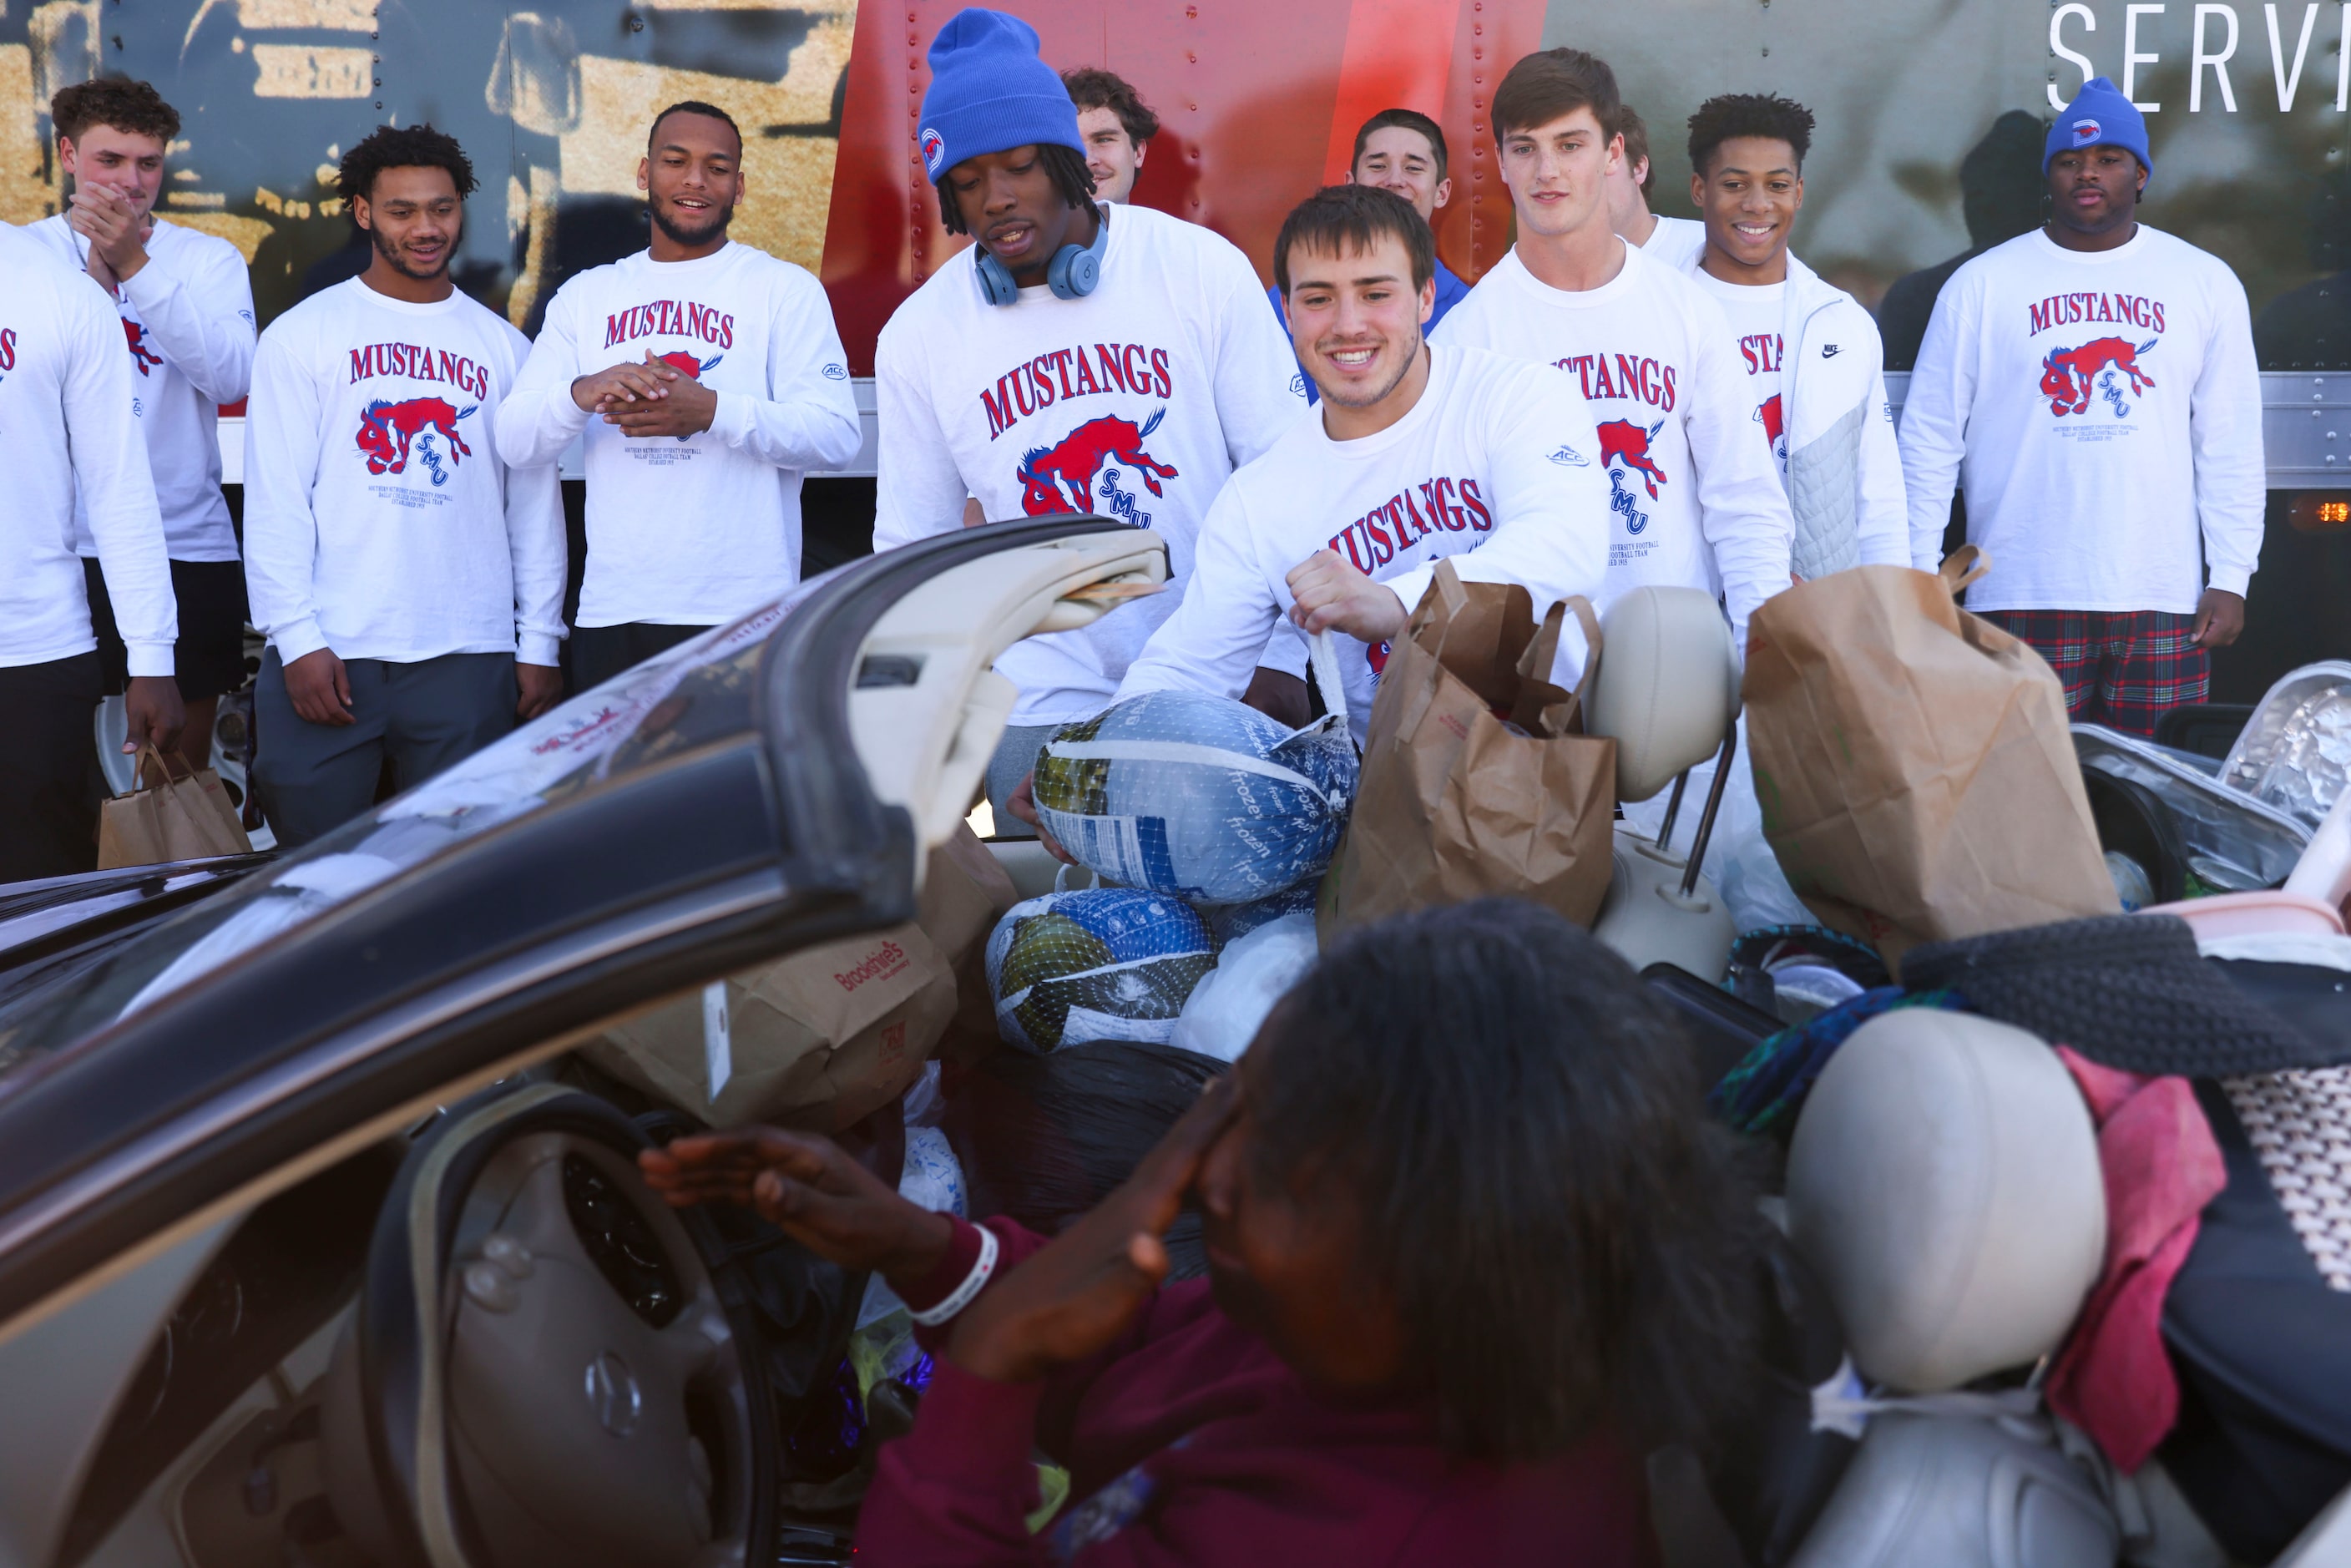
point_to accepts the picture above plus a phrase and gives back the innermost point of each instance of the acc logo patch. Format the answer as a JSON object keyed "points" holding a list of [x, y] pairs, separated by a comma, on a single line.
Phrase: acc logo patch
{"points": [[1298, 386], [2085, 132], [1569, 458], [935, 151], [836, 374]]}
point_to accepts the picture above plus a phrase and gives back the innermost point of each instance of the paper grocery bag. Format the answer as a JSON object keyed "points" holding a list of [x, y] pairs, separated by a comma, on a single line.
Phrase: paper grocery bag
{"points": [[1914, 763], [820, 1038], [1453, 805], [169, 816]]}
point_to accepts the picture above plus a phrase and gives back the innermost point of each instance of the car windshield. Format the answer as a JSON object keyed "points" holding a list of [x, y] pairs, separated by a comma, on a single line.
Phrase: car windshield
{"points": [[698, 694]]}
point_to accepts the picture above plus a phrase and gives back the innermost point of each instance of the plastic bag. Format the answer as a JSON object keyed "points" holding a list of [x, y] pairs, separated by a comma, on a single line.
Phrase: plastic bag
{"points": [[1228, 923], [1197, 796], [1254, 972], [1107, 962]]}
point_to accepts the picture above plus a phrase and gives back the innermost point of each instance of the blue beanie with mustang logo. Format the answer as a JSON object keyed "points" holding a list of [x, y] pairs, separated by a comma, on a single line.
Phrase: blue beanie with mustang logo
{"points": [[2100, 117], [991, 93]]}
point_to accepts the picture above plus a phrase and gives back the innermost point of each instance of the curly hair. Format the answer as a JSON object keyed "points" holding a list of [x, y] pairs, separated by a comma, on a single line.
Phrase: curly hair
{"points": [[128, 106], [1569, 1239], [1719, 119], [1092, 88], [1065, 166], [403, 146]]}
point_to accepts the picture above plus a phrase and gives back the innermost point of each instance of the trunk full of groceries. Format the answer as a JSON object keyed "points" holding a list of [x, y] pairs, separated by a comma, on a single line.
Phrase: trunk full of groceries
{"points": [[2039, 1027]]}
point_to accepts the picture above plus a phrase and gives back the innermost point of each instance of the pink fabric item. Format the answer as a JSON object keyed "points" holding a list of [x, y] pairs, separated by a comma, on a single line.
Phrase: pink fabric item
{"points": [[2161, 1166]]}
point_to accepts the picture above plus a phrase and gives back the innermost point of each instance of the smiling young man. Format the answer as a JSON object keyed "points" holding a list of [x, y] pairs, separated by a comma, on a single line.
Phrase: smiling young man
{"points": [[2094, 386], [1811, 352], [1676, 241], [1415, 455], [1116, 127], [1473, 1247], [1077, 358], [186, 305], [708, 378], [410, 580], [1696, 497]]}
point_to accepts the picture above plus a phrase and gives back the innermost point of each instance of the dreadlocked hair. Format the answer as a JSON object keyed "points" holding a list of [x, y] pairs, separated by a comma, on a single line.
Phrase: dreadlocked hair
{"points": [[1065, 166]]}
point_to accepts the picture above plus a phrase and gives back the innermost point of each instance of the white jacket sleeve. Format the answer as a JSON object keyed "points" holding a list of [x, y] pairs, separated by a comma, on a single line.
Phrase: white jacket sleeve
{"points": [[110, 469], [538, 420], [920, 491], [536, 546], [202, 321], [1881, 507], [1213, 640], [1742, 510], [2224, 429], [281, 469], [1260, 391], [1935, 418], [808, 419]]}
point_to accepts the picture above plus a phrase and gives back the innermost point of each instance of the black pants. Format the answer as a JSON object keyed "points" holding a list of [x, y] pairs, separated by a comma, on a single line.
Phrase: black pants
{"points": [[209, 657], [600, 653], [421, 717], [48, 764]]}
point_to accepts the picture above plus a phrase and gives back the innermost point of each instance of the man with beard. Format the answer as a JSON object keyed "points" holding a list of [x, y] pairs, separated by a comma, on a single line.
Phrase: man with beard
{"points": [[708, 378], [411, 584]]}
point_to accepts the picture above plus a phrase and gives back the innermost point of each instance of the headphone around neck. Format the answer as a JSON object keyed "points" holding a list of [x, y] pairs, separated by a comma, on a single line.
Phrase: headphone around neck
{"points": [[1075, 272]]}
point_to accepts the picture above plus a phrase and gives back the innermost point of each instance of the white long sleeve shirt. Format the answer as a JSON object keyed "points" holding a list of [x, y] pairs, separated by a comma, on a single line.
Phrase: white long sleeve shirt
{"points": [[378, 519], [66, 429], [1134, 401], [2104, 408], [696, 531], [187, 326], [1695, 492], [1494, 466]]}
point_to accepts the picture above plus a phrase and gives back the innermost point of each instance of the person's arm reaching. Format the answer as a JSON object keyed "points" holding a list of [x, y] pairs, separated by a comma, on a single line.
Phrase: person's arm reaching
{"points": [[1213, 640], [202, 321], [1933, 436], [540, 417], [809, 421], [2224, 433], [1882, 507], [920, 491], [1742, 508]]}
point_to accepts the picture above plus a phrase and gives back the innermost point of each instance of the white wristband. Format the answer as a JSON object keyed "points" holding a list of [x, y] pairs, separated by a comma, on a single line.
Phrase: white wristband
{"points": [[961, 1296]]}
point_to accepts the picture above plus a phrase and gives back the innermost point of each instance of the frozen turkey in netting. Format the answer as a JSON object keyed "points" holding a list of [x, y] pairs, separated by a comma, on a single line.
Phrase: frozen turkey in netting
{"points": [[1197, 796], [1105, 963]]}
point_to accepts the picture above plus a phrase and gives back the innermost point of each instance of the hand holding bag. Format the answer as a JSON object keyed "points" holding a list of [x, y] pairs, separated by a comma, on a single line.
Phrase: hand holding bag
{"points": [[169, 816]]}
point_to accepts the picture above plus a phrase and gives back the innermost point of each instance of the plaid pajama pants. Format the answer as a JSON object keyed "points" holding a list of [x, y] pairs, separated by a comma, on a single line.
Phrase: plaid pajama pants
{"points": [[2121, 668]]}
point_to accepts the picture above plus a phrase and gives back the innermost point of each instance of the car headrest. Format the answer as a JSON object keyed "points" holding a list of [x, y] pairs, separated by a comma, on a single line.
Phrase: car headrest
{"points": [[1944, 1183], [1667, 686]]}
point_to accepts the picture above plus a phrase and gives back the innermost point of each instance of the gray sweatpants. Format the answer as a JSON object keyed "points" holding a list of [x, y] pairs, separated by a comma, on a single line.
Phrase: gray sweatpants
{"points": [[423, 716], [1015, 754]]}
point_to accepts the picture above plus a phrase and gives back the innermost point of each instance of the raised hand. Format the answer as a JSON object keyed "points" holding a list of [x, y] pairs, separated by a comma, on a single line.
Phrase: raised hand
{"points": [[1076, 1295]]}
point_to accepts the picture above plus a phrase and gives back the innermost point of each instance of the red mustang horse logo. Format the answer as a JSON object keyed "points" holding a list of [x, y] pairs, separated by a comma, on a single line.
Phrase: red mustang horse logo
{"points": [[679, 359], [389, 431], [1060, 477], [2068, 376], [147, 361], [1771, 413], [1622, 441]]}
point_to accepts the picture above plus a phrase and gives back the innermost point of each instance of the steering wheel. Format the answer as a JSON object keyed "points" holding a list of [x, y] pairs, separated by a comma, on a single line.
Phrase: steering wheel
{"points": [[545, 1367]]}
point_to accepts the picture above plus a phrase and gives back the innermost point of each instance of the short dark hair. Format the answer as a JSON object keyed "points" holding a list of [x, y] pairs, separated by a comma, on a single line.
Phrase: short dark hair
{"points": [[1550, 83], [1568, 1238], [403, 146], [1093, 88], [128, 106], [1066, 166], [1764, 114], [693, 106], [1354, 217], [1636, 132], [1404, 119]]}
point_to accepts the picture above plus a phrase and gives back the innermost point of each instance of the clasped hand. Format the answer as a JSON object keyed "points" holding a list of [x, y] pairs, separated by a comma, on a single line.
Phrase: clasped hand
{"points": [[646, 399]]}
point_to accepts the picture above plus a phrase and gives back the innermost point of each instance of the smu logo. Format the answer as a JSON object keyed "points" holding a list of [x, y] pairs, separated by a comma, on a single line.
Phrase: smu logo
{"points": [[935, 152], [2069, 376], [1625, 450], [390, 432], [145, 358], [2086, 132], [1061, 477], [1775, 426]]}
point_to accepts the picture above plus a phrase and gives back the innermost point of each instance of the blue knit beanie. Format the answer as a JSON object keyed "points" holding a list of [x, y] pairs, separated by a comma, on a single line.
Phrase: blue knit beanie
{"points": [[2100, 117], [991, 93]]}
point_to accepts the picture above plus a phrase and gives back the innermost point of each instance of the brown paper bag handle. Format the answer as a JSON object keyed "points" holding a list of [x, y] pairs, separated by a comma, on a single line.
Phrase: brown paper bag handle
{"points": [[1536, 660], [147, 752], [1962, 566]]}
